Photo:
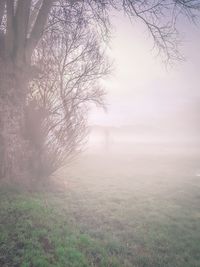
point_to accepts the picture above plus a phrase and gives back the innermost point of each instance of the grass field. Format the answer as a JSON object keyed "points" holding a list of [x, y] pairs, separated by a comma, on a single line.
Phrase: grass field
{"points": [[120, 209]]}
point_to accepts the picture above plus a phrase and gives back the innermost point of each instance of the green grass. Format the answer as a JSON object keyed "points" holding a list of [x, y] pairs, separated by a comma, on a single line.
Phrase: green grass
{"points": [[34, 234], [112, 213]]}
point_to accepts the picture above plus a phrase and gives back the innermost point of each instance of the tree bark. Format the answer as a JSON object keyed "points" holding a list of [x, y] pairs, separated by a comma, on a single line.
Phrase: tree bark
{"points": [[13, 146], [16, 48]]}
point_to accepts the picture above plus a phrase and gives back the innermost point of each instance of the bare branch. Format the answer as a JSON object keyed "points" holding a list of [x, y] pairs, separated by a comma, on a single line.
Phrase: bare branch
{"points": [[21, 26], [34, 13], [39, 25], [2, 9], [9, 38]]}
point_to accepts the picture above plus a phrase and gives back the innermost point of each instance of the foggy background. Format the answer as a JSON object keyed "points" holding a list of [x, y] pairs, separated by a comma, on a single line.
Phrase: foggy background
{"points": [[149, 103]]}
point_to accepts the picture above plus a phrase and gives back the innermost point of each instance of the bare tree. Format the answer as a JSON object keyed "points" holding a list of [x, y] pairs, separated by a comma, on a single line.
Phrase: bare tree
{"points": [[23, 27], [71, 64]]}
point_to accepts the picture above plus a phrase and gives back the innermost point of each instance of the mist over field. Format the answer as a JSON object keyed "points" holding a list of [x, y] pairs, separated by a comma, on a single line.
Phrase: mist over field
{"points": [[99, 133], [144, 139], [139, 194]]}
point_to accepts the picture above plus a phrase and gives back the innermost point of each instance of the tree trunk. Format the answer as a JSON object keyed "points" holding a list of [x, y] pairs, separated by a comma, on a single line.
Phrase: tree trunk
{"points": [[13, 147]]}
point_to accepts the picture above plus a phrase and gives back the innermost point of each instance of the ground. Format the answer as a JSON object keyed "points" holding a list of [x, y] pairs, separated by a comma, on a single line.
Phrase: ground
{"points": [[114, 209]]}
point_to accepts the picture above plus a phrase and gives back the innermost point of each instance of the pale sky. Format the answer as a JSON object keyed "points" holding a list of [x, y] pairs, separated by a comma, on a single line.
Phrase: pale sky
{"points": [[141, 89]]}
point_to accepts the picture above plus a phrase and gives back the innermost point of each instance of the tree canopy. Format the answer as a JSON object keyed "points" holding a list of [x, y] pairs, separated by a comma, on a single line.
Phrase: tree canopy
{"points": [[25, 22]]}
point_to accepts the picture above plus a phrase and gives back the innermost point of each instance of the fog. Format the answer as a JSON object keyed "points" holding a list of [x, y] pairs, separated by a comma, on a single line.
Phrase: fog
{"points": [[149, 101], [93, 182], [152, 117]]}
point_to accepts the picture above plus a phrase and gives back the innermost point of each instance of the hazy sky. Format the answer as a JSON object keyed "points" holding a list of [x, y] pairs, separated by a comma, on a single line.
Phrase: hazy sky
{"points": [[141, 89]]}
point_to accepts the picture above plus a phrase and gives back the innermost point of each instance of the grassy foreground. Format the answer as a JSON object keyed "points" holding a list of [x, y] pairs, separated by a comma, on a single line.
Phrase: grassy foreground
{"points": [[109, 219], [34, 234]]}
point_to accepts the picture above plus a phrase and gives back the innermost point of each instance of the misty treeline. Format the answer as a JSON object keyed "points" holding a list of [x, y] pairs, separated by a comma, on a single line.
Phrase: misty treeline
{"points": [[52, 60]]}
